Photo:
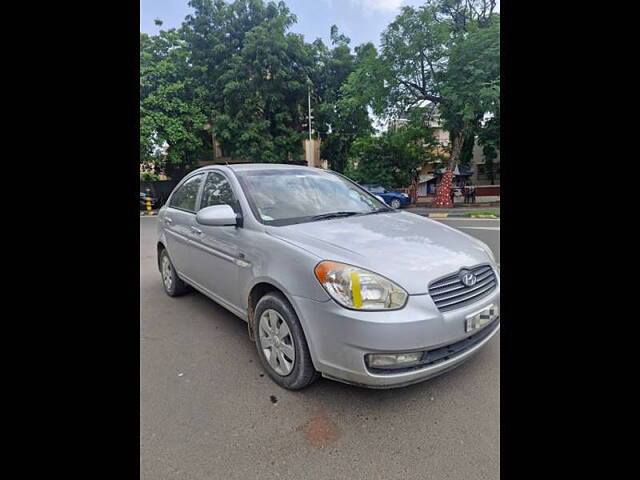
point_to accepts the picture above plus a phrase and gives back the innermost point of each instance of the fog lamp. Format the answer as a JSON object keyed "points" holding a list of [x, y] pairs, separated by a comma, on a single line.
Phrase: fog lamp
{"points": [[382, 360]]}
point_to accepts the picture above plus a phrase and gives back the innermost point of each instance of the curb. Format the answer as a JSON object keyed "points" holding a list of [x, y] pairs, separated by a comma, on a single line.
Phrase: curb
{"points": [[483, 216], [148, 214], [438, 215]]}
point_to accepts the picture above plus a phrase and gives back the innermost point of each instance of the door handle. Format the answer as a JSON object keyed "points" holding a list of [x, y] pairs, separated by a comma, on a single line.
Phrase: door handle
{"points": [[197, 231], [168, 220]]}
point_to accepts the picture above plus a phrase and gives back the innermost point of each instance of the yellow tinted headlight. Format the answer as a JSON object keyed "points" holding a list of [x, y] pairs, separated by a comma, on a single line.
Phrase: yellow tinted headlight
{"points": [[359, 289]]}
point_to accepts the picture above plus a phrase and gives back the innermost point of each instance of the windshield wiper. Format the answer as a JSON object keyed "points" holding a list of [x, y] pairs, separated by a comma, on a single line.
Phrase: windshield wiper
{"points": [[326, 216], [382, 210]]}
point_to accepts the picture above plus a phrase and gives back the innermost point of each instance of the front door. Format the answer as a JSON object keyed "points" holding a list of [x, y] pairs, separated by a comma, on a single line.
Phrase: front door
{"points": [[216, 251]]}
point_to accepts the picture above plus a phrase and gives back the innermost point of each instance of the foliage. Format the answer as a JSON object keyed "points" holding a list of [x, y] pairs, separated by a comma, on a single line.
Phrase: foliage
{"points": [[253, 76], [149, 177], [390, 159], [235, 72], [171, 117], [338, 119], [472, 86], [444, 53]]}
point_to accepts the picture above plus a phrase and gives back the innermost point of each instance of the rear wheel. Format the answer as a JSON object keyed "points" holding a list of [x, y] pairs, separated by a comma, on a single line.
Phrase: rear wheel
{"points": [[395, 203], [173, 285], [281, 344]]}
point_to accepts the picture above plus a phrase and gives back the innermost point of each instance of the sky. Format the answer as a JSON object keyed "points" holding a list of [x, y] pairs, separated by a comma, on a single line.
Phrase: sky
{"points": [[361, 20]]}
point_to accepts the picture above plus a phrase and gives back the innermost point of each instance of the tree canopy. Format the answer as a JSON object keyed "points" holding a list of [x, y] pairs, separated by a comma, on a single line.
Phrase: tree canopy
{"points": [[171, 113], [392, 158], [234, 72], [445, 53]]}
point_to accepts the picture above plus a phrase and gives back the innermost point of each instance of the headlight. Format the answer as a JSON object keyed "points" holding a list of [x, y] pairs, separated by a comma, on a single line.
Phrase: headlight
{"points": [[360, 289]]}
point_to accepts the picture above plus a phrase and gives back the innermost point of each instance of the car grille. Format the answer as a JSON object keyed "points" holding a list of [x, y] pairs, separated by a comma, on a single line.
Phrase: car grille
{"points": [[450, 293]]}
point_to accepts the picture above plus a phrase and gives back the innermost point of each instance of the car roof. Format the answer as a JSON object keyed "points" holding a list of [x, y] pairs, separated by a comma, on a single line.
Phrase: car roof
{"points": [[238, 167]]}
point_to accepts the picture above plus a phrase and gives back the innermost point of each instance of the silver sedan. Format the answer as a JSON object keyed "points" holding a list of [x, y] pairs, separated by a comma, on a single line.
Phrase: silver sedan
{"points": [[330, 280]]}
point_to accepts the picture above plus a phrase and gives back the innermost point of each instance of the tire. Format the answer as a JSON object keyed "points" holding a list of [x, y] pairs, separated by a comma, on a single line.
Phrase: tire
{"points": [[173, 285], [395, 203], [290, 373]]}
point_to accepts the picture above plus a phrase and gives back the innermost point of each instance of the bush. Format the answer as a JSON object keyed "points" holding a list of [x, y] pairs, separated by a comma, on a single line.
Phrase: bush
{"points": [[149, 177]]}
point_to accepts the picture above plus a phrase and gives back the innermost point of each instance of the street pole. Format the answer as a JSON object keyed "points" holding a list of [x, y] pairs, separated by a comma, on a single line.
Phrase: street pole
{"points": [[309, 90]]}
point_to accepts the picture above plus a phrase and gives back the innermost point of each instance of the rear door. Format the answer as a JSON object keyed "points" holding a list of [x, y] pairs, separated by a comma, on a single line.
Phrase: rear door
{"points": [[178, 222]]}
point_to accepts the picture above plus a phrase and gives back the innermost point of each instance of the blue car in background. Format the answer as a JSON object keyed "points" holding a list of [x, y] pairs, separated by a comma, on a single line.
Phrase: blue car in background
{"points": [[393, 199]]}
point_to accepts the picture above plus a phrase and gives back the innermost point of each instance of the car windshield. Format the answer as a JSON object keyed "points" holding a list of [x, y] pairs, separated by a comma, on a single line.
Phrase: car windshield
{"points": [[285, 196]]}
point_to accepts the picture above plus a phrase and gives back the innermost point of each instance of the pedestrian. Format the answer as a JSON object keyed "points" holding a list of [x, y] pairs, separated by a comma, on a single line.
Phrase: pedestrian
{"points": [[472, 194], [453, 195], [467, 194]]}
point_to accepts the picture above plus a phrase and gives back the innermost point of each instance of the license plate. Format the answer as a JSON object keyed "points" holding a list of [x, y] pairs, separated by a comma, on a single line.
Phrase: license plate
{"points": [[477, 320]]}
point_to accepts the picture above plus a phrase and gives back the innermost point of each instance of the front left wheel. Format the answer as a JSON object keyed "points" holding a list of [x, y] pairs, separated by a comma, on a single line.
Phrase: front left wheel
{"points": [[281, 344], [395, 203]]}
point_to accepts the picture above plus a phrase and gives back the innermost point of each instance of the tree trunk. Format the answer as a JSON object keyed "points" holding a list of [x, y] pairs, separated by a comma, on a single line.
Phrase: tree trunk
{"points": [[458, 143], [443, 192], [413, 189]]}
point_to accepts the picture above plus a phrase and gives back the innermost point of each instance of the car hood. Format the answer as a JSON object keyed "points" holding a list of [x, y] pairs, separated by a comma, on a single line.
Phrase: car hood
{"points": [[409, 249]]}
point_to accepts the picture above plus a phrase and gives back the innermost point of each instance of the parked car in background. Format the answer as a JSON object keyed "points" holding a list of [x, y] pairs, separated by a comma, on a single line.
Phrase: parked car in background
{"points": [[393, 199], [333, 282]]}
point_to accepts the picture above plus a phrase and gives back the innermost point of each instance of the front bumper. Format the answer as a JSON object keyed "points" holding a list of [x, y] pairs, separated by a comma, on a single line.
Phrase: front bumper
{"points": [[339, 338]]}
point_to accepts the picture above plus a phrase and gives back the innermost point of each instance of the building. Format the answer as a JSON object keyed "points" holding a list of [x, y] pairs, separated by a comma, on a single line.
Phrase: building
{"points": [[482, 175]]}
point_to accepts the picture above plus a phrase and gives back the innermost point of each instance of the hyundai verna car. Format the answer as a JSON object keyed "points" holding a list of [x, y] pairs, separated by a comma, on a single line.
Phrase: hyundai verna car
{"points": [[330, 280]]}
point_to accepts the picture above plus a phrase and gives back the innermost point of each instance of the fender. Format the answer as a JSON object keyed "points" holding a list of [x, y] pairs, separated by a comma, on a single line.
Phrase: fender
{"points": [[283, 290]]}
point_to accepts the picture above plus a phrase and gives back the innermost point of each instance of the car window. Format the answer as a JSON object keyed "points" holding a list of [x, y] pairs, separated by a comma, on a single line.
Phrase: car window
{"points": [[377, 189], [185, 196], [285, 196], [217, 191]]}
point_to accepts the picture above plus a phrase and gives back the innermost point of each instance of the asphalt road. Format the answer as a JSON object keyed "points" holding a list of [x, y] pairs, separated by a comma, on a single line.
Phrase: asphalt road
{"points": [[207, 411]]}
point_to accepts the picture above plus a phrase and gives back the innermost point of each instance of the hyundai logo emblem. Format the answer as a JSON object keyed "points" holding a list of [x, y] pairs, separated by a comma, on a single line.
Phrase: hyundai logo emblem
{"points": [[468, 278]]}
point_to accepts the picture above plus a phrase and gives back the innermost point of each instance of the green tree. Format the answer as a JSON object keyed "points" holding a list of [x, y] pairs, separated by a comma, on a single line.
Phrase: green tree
{"points": [[171, 118], [445, 53], [253, 76], [338, 119], [391, 159], [472, 86]]}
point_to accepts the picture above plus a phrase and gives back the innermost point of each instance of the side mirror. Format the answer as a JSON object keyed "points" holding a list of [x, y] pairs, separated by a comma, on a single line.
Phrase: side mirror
{"points": [[217, 216]]}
